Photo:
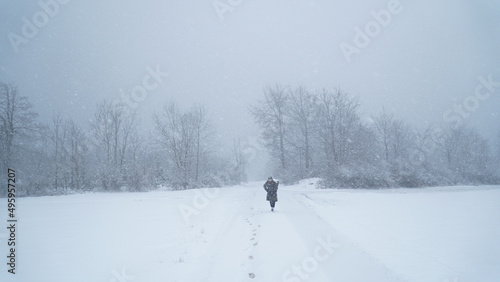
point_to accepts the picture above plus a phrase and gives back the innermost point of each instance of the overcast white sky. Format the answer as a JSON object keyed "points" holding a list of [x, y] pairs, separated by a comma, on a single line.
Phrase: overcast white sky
{"points": [[426, 60]]}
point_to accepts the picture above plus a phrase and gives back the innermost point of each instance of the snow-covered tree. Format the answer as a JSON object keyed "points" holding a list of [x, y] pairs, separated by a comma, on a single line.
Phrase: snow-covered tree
{"points": [[467, 154], [271, 115], [17, 121], [338, 122], [239, 162], [19, 130], [77, 154], [186, 137], [301, 109], [112, 129]]}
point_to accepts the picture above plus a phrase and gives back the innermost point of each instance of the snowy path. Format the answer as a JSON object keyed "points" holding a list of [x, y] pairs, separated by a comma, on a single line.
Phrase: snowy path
{"points": [[291, 244], [230, 234], [309, 248]]}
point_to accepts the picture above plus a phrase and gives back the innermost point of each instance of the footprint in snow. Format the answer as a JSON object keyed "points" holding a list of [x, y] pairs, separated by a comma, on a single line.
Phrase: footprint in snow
{"points": [[251, 275]]}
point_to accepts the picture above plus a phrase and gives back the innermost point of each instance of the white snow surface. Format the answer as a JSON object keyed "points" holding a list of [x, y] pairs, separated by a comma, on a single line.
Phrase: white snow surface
{"points": [[230, 234]]}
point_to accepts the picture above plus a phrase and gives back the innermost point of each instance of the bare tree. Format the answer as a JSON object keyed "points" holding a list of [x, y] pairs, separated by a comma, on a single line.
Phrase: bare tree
{"points": [[338, 120], [77, 154], [383, 125], [240, 161], [302, 112], [102, 130], [467, 154], [402, 136], [204, 132], [402, 142], [395, 137], [68, 154], [112, 129], [17, 121], [186, 137], [176, 138], [271, 116], [451, 143], [57, 137]]}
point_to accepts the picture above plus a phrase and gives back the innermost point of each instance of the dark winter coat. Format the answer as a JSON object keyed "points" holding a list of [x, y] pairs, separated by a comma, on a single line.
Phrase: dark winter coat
{"points": [[271, 188]]}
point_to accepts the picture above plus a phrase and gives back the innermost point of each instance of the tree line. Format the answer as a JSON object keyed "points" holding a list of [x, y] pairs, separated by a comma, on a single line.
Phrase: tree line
{"points": [[322, 134], [112, 153], [306, 133]]}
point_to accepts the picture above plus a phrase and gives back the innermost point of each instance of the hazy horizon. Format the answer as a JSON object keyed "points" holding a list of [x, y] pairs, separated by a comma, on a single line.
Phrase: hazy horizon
{"points": [[425, 60]]}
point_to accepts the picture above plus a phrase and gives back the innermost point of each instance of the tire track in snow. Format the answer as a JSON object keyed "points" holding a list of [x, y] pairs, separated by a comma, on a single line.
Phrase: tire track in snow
{"points": [[229, 258], [350, 255], [255, 244]]}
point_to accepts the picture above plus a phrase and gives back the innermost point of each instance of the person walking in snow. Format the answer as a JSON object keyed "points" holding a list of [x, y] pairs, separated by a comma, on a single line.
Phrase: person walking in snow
{"points": [[271, 188]]}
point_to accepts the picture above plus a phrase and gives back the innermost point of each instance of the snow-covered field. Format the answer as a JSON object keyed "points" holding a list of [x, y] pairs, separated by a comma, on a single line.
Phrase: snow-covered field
{"points": [[229, 234]]}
